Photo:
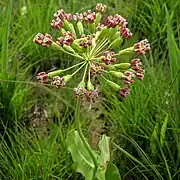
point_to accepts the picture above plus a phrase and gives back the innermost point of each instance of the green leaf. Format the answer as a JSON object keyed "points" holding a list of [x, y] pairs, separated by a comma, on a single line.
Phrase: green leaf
{"points": [[163, 130], [174, 53], [104, 157], [154, 139], [112, 172], [83, 161], [104, 149]]}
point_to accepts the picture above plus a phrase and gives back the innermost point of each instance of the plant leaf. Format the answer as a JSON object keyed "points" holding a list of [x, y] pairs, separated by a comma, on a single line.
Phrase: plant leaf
{"points": [[104, 157], [154, 139], [82, 159], [112, 172], [163, 130]]}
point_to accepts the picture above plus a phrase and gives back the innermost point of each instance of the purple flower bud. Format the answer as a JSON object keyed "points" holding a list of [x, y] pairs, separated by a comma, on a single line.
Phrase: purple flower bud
{"points": [[44, 40], [42, 77], [124, 92], [117, 20], [142, 47], [128, 77]]}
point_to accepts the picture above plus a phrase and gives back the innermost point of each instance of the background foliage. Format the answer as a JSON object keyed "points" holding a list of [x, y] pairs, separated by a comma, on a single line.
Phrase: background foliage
{"points": [[144, 129]]}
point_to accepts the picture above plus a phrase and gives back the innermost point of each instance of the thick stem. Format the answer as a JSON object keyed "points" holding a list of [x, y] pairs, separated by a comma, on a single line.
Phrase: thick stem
{"points": [[88, 148]]}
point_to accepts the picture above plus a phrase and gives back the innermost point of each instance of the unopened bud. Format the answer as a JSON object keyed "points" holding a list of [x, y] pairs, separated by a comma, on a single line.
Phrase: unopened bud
{"points": [[116, 74], [115, 43], [67, 77], [126, 51], [113, 85], [98, 18], [54, 73], [80, 27], [122, 66], [69, 26], [90, 86], [81, 84]]}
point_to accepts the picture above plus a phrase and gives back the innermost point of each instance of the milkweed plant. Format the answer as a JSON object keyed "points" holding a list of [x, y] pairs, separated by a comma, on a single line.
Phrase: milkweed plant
{"points": [[95, 40]]}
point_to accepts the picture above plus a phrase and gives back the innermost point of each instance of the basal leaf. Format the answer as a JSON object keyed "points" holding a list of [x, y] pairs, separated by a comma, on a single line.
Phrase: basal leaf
{"points": [[83, 161], [112, 172], [104, 157]]}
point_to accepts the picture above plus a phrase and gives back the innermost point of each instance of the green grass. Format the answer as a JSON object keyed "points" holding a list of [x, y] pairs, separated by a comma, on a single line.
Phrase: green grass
{"points": [[145, 128]]}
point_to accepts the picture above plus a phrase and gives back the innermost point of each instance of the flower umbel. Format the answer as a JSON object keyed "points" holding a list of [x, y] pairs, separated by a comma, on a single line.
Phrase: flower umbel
{"points": [[93, 39]]}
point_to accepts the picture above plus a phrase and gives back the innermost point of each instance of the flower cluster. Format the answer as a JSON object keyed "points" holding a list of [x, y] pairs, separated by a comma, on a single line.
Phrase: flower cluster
{"points": [[120, 22], [94, 39], [66, 39], [88, 96], [59, 17], [108, 57], [44, 40], [86, 41]]}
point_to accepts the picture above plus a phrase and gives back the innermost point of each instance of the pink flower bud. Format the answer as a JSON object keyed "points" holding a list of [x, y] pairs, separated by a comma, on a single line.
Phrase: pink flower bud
{"points": [[67, 39], [42, 77], [124, 92], [142, 47], [96, 69], [126, 32], [91, 96], [101, 8], [79, 92], [140, 76], [58, 82], [135, 62], [44, 40], [57, 23], [89, 17], [108, 57], [87, 41], [78, 17]]}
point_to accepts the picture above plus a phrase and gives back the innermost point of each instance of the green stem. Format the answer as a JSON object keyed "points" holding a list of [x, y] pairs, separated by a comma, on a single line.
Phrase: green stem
{"points": [[99, 48], [58, 47], [78, 69], [81, 135], [56, 73], [89, 73], [101, 52], [84, 75]]}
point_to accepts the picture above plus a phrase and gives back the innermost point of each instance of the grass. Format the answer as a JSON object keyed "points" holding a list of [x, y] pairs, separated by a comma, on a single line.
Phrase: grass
{"points": [[144, 128]]}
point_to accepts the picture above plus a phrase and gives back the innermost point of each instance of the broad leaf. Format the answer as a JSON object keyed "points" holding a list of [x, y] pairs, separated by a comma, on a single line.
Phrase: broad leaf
{"points": [[83, 161], [112, 172], [104, 157]]}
